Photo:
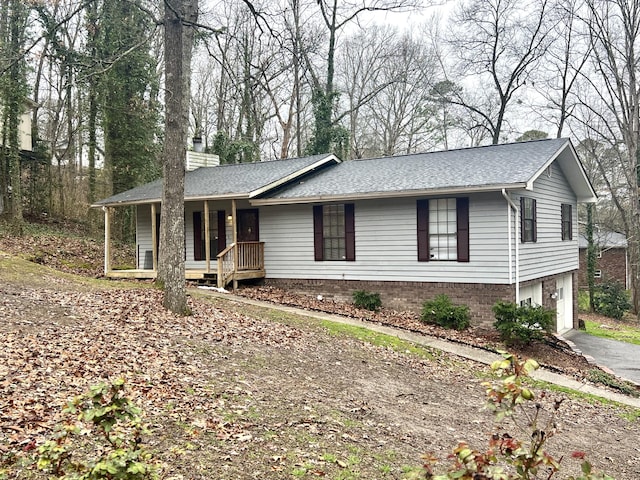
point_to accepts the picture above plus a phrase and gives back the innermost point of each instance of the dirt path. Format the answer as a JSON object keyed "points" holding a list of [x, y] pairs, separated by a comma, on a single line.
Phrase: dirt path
{"points": [[234, 393]]}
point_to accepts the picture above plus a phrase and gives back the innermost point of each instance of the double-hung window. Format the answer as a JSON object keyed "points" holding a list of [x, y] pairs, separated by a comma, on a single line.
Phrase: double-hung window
{"points": [[566, 221], [528, 226], [334, 232], [443, 229]]}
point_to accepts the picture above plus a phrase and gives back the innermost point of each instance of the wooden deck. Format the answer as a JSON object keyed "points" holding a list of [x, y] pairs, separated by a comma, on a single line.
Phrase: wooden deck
{"points": [[242, 261]]}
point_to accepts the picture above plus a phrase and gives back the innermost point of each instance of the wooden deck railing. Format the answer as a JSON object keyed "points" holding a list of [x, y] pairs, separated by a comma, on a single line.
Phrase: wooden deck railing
{"points": [[240, 257]]}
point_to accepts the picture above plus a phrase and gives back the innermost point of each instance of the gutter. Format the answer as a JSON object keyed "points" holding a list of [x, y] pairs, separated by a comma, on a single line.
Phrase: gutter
{"points": [[381, 195], [511, 205]]}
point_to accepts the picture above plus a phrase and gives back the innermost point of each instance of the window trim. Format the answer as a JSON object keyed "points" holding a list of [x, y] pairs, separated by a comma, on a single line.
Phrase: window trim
{"points": [[462, 230], [523, 220], [566, 221], [349, 233]]}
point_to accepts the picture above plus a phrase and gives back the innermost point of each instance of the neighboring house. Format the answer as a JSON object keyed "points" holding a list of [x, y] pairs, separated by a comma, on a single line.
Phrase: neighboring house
{"points": [[24, 128], [612, 261], [24, 137], [478, 224]]}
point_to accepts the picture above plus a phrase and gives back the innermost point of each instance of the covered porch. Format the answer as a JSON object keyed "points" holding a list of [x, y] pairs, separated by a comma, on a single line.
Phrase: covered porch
{"points": [[208, 257]]}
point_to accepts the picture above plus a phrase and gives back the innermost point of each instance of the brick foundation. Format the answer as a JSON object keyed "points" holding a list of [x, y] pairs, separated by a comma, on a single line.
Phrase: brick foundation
{"points": [[480, 298]]}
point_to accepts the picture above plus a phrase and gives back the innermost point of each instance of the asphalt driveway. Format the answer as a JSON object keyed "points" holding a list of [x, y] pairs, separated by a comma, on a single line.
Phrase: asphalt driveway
{"points": [[620, 357]]}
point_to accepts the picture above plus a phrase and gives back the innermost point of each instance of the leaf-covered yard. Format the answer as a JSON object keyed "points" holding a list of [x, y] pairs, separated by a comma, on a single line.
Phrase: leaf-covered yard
{"points": [[243, 392]]}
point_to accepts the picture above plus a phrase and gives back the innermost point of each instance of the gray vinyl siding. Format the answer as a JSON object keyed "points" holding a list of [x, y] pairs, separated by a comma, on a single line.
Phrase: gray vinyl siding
{"points": [[386, 244], [550, 255], [144, 241]]}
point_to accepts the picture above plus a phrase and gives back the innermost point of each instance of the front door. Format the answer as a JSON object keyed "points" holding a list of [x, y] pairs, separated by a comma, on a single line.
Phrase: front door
{"points": [[248, 225], [564, 302]]}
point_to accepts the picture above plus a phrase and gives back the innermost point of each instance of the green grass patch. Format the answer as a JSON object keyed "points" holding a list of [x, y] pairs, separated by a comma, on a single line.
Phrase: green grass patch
{"points": [[378, 339], [21, 271], [627, 412], [332, 328], [621, 332], [598, 376]]}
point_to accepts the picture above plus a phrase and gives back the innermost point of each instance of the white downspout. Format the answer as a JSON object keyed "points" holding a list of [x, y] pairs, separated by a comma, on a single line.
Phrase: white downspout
{"points": [[515, 209]]}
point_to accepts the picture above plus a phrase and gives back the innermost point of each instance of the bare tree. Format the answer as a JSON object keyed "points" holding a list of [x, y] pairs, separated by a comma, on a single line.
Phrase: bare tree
{"points": [[361, 76], [336, 15], [498, 43], [610, 111], [568, 53]]}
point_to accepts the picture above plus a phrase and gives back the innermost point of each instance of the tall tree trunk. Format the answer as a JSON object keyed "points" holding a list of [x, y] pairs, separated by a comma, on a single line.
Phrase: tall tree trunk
{"points": [[15, 104], [178, 37], [591, 256], [92, 28]]}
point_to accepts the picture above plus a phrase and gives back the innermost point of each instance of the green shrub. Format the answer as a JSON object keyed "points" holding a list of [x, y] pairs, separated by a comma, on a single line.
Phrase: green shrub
{"points": [[440, 311], [368, 300], [611, 299], [522, 324], [583, 301]]}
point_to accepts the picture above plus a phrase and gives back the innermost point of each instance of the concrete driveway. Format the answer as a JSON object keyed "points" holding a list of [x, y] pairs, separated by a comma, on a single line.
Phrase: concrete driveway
{"points": [[620, 357]]}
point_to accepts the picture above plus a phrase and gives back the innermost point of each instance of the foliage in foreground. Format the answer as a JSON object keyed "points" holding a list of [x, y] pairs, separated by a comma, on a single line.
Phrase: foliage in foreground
{"points": [[508, 458], [101, 440], [522, 324], [441, 311]]}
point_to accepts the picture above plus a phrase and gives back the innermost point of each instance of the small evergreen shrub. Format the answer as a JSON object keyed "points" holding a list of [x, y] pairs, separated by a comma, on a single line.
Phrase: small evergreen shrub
{"points": [[440, 311], [611, 300], [370, 301], [522, 324]]}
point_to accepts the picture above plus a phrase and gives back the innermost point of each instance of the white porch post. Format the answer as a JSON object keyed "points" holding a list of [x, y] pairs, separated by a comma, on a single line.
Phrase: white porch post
{"points": [[207, 236], [154, 238], [234, 226], [107, 240]]}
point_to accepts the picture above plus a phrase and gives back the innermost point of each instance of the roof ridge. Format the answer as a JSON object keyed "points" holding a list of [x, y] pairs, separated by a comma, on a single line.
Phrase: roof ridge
{"points": [[257, 162], [460, 149]]}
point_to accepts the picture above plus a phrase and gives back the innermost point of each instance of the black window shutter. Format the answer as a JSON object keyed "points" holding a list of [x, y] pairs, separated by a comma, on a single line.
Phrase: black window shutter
{"points": [[522, 222], [570, 220], [534, 221], [197, 236], [462, 213], [222, 231], [318, 244], [422, 212], [349, 232]]}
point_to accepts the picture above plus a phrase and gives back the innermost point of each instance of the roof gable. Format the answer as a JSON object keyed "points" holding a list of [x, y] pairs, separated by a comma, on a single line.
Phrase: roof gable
{"points": [[227, 181]]}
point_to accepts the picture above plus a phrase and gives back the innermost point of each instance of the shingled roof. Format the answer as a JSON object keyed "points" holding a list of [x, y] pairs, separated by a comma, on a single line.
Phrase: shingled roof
{"points": [[325, 178], [489, 168], [227, 181]]}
